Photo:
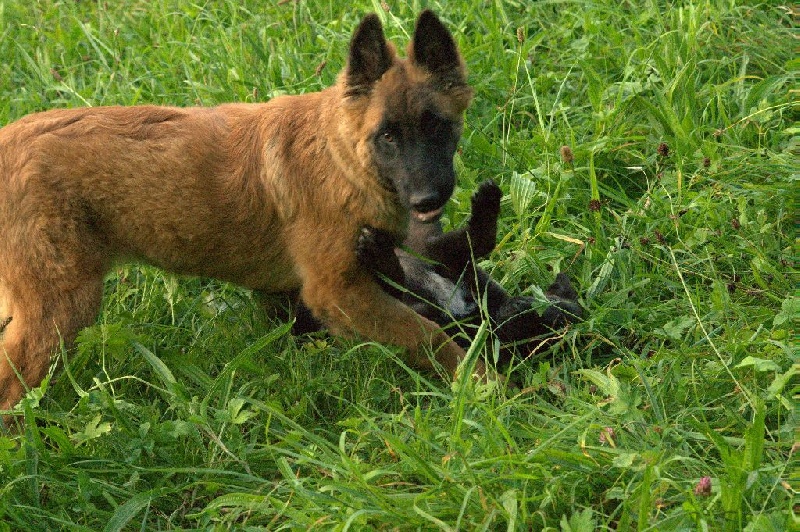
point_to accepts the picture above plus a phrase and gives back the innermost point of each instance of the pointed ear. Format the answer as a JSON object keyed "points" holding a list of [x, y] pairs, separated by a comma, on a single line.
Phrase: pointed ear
{"points": [[370, 56], [434, 49]]}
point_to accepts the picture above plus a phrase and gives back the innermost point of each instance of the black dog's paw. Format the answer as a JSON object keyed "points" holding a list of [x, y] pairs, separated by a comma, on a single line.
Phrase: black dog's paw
{"points": [[373, 245], [482, 224], [486, 202], [375, 251]]}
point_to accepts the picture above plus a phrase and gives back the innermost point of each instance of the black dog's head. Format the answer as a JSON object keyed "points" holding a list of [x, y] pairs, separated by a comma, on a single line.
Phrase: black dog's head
{"points": [[411, 111], [564, 308], [523, 331]]}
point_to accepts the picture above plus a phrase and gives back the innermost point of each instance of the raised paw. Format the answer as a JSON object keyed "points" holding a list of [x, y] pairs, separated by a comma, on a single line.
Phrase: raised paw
{"points": [[482, 224], [486, 202]]}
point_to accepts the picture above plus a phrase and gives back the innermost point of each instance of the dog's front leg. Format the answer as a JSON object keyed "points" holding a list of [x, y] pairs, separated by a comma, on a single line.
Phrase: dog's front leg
{"points": [[357, 305]]}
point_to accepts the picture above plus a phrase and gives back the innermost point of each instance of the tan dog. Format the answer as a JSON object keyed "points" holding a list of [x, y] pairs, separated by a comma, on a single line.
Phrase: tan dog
{"points": [[269, 196]]}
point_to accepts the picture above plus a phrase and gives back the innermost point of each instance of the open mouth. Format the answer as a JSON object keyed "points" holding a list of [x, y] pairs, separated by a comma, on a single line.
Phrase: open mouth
{"points": [[427, 217]]}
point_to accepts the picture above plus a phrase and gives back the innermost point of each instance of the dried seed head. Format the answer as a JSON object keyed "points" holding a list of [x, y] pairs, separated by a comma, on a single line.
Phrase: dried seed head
{"points": [[663, 149], [706, 162], [595, 205], [735, 223], [385, 6], [607, 435], [660, 237], [566, 154], [520, 35], [703, 487]]}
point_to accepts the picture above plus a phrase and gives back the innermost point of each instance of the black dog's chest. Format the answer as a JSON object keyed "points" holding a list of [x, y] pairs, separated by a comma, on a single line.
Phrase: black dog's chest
{"points": [[434, 296], [453, 298]]}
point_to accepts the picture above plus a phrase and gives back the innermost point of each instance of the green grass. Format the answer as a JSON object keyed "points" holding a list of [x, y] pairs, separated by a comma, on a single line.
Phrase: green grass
{"points": [[184, 408]]}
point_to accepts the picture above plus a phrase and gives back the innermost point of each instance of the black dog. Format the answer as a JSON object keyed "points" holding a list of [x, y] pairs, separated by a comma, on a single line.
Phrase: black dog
{"points": [[436, 275]]}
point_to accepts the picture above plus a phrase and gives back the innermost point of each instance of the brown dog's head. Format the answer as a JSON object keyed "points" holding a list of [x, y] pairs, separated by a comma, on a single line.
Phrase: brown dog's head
{"points": [[407, 113]]}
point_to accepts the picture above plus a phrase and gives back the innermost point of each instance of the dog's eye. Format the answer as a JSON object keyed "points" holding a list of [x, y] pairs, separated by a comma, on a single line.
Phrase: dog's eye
{"points": [[388, 137]]}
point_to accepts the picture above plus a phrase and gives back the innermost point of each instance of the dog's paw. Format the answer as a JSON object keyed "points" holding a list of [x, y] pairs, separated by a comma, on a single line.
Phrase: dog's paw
{"points": [[373, 243], [486, 201]]}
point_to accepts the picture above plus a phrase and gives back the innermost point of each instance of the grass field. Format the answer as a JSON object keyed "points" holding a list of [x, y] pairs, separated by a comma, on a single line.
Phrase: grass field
{"points": [[673, 209]]}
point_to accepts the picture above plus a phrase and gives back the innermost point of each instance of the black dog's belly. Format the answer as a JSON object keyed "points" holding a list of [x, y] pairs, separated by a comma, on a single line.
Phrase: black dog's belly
{"points": [[441, 300]]}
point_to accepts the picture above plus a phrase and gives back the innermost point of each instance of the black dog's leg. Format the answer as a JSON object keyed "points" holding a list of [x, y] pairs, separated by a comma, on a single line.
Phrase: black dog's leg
{"points": [[453, 253], [456, 249], [304, 321]]}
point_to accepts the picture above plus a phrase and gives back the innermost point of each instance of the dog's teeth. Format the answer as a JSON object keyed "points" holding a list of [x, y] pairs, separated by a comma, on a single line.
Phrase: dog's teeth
{"points": [[426, 217]]}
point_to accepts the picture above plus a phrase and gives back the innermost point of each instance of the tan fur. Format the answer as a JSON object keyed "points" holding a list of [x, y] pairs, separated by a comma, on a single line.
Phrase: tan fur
{"points": [[268, 196]]}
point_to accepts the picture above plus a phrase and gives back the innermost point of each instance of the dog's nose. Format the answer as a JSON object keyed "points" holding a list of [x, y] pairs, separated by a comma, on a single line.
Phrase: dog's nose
{"points": [[425, 202]]}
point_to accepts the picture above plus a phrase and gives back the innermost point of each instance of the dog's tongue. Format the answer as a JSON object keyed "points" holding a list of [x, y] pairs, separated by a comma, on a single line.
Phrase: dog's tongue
{"points": [[426, 217]]}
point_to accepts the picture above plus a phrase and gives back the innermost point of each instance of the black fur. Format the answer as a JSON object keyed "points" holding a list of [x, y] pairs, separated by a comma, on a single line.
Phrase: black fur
{"points": [[435, 275]]}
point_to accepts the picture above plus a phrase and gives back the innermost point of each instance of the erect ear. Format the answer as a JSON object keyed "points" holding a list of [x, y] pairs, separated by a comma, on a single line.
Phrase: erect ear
{"points": [[370, 56], [434, 49]]}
